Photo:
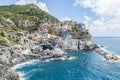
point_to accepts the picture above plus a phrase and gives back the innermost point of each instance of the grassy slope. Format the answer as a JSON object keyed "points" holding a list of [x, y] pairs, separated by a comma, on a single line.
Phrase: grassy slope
{"points": [[30, 12]]}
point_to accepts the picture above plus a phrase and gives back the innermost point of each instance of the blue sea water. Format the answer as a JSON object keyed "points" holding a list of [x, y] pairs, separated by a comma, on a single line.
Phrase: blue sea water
{"points": [[87, 65]]}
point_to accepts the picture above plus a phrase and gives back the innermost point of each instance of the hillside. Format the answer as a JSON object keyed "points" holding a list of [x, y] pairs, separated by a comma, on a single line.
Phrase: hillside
{"points": [[17, 21], [30, 12], [19, 18], [28, 33]]}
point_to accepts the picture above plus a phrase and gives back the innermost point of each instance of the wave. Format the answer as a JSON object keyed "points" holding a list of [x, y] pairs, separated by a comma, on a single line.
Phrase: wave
{"points": [[47, 60], [110, 54], [21, 76], [104, 48], [72, 58], [61, 58], [66, 58], [24, 63]]}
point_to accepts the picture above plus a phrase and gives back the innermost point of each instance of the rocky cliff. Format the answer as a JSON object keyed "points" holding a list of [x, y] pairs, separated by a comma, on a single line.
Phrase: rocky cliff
{"points": [[76, 44], [28, 33]]}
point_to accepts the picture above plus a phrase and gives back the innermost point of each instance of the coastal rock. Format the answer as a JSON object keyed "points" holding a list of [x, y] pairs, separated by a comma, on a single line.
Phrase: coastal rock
{"points": [[1, 66], [77, 44], [16, 60], [25, 23], [70, 44], [12, 75], [36, 50], [106, 54], [57, 51], [4, 59], [89, 46]]}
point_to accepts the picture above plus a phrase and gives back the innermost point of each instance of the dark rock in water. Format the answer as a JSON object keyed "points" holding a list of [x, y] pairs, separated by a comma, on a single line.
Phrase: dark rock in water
{"points": [[96, 46]]}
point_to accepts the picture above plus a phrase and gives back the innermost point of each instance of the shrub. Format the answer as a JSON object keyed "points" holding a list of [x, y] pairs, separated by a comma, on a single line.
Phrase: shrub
{"points": [[2, 33], [18, 41], [0, 46], [4, 41], [33, 28], [15, 28]]}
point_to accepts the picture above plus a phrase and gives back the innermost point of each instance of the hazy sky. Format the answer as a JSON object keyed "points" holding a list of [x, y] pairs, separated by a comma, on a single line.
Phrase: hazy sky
{"points": [[102, 17]]}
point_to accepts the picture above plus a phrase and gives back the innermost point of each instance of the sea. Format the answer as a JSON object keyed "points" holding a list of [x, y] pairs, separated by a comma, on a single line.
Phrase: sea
{"points": [[84, 65]]}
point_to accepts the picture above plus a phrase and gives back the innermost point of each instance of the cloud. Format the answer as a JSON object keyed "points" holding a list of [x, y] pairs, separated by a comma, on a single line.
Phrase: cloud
{"points": [[108, 12], [101, 7], [87, 19], [41, 5], [65, 19]]}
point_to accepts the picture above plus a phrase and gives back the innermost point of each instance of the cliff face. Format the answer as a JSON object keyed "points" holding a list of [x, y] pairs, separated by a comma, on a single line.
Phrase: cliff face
{"points": [[76, 36], [77, 44]]}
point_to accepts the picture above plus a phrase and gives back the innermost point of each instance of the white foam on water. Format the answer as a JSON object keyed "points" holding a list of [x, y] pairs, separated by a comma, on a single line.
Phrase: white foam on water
{"points": [[105, 49], [61, 58], [71, 58], [84, 53], [24, 63], [31, 72], [21, 74], [66, 58], [110, 54], [47, 60]]}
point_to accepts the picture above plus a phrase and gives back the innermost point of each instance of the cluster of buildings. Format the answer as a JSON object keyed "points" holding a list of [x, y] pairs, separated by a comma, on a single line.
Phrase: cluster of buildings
{"points": [[54, 33]]}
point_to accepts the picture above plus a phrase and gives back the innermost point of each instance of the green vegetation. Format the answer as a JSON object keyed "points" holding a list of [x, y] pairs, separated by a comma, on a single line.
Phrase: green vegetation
{"points": [[14, 27], [2, 33], [31, 28], [17, 40], [3, 38], [4, 41], [30, 12], [11, 15], [0, 46], [77, 34]]}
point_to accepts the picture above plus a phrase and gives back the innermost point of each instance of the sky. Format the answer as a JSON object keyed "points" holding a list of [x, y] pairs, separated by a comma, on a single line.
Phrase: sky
{"points": [[101, 17]]}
